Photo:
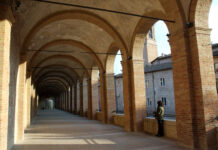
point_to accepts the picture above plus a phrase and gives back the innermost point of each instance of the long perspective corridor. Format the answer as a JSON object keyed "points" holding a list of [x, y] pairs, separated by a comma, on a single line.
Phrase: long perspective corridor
{"points": [[58, 130], [58, 88]]}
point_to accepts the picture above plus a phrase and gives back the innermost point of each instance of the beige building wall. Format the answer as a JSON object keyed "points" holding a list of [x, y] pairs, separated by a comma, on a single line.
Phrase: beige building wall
{"points": [[150, 48]]}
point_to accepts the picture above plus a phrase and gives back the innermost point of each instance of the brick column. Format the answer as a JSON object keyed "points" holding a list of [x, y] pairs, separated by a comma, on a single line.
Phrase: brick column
{"points": [[89, 88], [81, 99], [85, 97], [111, 97], [103, 97], [21, 101], [28, 101], [37, 102], [65, 101], [32, 103], [60, 101], [94, 83], [194, 85], [6, 20], [127, 95], [75, 98], [56, 102], [71, 99], [138, 95], [78, 98]]}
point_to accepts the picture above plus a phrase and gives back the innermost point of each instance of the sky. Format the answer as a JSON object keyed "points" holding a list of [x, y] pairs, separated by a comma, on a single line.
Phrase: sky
{"points": [[162, 40]]}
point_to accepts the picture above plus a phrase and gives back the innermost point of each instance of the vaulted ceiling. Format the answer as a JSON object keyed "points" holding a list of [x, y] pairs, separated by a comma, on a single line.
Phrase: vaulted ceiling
{"points": [[63, 43]]}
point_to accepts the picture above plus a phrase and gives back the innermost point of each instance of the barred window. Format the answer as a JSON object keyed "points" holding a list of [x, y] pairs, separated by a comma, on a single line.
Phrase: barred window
{"points": [[164, 101], [147, 83], [162, 81]]}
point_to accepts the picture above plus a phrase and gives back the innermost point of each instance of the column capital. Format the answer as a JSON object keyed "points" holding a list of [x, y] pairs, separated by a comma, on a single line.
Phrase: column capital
{"points": [[95, 68], [6, 13], [199, 30], [188, 32], [137, 61], [109, 74]]}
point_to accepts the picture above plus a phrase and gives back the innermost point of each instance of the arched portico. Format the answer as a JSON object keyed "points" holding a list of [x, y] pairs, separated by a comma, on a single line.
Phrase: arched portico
{"points": [[59, 49]]}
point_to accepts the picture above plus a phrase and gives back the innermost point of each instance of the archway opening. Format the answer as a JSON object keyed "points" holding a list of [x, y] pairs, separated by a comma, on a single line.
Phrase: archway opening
{"points": [[118, 79], [213, 23], [158, 71]]}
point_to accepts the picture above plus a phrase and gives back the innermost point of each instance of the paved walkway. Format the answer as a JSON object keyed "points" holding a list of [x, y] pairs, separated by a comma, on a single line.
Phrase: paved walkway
{"points": [[58, 130]]}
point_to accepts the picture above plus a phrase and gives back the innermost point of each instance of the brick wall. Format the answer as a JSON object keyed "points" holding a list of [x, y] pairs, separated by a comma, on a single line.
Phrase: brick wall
{"points": [[151, 127]]}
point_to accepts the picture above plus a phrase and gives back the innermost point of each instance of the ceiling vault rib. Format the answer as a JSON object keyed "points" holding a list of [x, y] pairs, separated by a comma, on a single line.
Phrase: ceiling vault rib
{"points": [[55, 51], [105, 10], [64, 68]]}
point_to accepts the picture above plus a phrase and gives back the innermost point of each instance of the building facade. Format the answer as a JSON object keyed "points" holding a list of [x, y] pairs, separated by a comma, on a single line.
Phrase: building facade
{"points": [[159, 85], [158, 79], [118, 79]]}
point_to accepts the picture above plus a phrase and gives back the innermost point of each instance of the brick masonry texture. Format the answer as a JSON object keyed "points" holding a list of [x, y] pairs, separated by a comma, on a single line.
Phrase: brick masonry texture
{"points": [[80, 41]]}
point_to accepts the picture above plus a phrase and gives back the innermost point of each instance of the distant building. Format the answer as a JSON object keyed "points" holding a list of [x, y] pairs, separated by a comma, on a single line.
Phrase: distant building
{"points": [[159, 85], [159, 82], [118, 79], [158, 79], [215, 58], [149, 55]]}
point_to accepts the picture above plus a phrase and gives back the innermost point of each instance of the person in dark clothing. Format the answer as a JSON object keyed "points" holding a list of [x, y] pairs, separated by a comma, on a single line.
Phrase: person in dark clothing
{"points": [[159, 115]]}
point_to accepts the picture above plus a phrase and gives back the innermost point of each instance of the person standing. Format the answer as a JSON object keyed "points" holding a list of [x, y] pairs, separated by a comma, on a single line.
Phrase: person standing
{"points": [[159, 115]]}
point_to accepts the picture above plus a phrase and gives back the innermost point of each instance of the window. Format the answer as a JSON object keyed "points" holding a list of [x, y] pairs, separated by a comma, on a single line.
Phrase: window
{"points": [[150, 34], [162, 81], [149, 102], [147, 83], [164, 101]]}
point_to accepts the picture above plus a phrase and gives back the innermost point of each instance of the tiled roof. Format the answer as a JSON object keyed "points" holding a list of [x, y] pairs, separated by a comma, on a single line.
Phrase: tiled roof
{"points": [[158, 67]]}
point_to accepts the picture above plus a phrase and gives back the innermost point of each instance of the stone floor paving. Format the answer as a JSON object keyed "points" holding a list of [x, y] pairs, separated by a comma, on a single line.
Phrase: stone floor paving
{"points": [[58, 130]]}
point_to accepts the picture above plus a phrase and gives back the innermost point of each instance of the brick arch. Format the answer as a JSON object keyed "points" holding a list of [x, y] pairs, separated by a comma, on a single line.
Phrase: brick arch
{"points": [[64, 77], [71, 58], [56, 65], [49, 76], [75, 14], [54, 86], [56, 74], [67, 42], [138, 38], [138, 102], [55, 81], [199, 12], [111, 58]]}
